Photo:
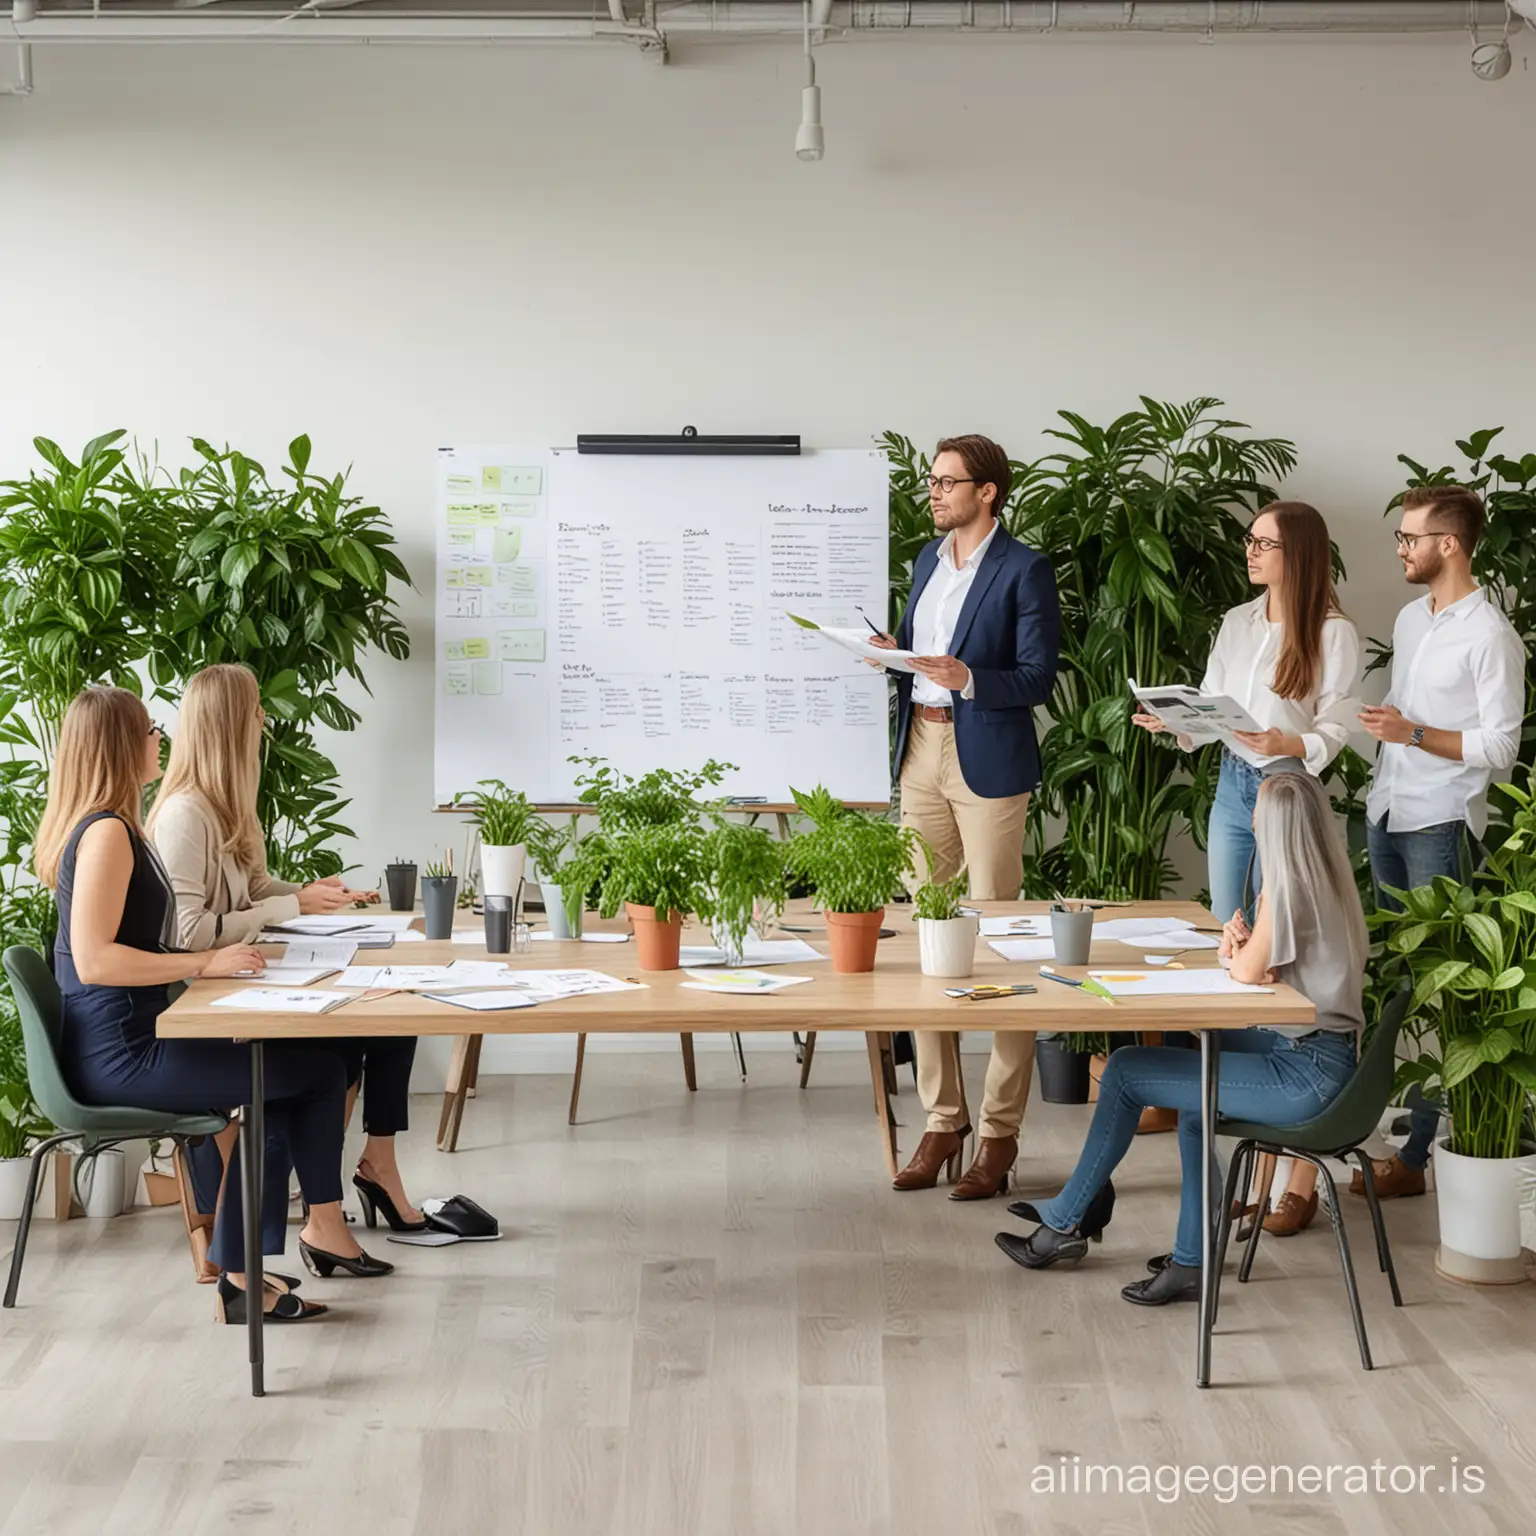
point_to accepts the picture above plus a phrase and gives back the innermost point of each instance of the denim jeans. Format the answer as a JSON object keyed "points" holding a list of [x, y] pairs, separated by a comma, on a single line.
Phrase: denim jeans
{"points": [[1261, 1076], [1230, 850], [1404, 861]]}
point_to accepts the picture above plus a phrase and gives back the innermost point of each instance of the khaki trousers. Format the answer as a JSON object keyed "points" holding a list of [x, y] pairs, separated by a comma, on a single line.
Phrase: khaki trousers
{"points": [[987, 836]]}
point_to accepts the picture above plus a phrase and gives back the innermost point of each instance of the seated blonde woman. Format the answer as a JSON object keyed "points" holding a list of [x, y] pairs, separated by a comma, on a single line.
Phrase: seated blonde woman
{"points": [[205, 829]]}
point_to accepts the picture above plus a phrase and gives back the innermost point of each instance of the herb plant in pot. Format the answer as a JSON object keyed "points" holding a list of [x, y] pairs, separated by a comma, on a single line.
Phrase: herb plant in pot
{"points": [[505, 820], [855, 862], [547, 846], [745, 884], [439, 895], [946, 936], [1471, 951]]}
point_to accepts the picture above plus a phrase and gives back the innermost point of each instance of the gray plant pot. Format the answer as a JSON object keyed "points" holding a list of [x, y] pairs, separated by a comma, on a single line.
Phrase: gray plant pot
{"points": [[554, 909], [439, 898]]}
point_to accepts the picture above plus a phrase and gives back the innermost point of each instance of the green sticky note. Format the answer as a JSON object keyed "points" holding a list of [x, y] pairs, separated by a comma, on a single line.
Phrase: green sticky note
{"points": [[461, 485], [521, 644], [462, 514], [490, 478], [477, 650], [477, 576], [454, 650], [487, 677], [523, 482], [506, 544], [487, 514], [454, 578]]}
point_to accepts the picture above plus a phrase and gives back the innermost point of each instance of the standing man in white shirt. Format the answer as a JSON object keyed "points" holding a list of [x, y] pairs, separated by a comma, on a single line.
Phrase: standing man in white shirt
{"points": [[1450, 721], [984, 620]]}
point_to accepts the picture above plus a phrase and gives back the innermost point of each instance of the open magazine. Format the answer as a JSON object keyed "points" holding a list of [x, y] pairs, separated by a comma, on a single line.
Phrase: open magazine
{"points": [[1186, 711]]}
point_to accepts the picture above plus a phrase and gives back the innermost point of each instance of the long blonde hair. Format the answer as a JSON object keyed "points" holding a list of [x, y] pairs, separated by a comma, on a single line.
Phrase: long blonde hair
{"points": [[1301, 853], [99, 766], [216, 754]]}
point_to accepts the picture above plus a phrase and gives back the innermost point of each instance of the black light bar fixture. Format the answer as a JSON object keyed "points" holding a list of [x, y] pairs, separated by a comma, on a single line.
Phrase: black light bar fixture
{"points": [[689, 441]]}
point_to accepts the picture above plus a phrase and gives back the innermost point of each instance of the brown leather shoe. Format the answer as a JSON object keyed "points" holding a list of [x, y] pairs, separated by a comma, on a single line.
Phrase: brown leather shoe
{"points": [[988, 1174], [1291, 1215], [935, 1150], [1392, 1178]]}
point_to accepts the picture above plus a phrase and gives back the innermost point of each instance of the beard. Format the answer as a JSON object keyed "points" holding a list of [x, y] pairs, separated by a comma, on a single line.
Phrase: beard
{"points": [[1425, 568]]}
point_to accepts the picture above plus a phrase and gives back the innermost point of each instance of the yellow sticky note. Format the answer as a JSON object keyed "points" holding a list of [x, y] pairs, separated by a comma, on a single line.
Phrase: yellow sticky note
{"points": [[461, 485], [477, 650], [477, 576], [462, 514], [490, 478], [506, 544], [487, 514], [454, 578]]}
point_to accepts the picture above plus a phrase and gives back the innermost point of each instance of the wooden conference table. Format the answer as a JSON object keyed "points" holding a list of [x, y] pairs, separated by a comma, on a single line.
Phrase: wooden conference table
{"points": [[894, 996]]}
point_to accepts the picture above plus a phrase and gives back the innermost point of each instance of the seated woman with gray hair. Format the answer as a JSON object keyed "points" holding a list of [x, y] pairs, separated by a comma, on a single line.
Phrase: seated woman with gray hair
{"points": [[1309, 932]]}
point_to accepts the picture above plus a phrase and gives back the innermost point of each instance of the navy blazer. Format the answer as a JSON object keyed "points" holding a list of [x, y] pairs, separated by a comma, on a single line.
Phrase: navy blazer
{"points": [[1009, 635]]}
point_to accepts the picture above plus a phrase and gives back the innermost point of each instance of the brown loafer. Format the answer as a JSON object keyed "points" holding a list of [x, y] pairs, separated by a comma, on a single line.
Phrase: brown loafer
{"points": [[1392, 1179], [988, 1174], [935, 1150], [1292, 1215]]}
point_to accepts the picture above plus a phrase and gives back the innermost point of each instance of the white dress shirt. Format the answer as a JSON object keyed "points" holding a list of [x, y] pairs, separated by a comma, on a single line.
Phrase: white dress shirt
{"points": [[1461, 669], [1242, 666], [938, 611]]}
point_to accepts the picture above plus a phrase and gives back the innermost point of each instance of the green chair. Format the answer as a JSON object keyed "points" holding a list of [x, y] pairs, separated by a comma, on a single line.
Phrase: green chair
{"points": [[1350, 1120], [94, 1127]]}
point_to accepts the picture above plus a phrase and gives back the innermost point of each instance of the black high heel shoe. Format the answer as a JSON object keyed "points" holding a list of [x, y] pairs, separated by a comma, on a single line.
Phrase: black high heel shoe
{"points": [[375, 1199], [230, 1307], [1043, 1247], [322, 1264], [1095, 1218]]}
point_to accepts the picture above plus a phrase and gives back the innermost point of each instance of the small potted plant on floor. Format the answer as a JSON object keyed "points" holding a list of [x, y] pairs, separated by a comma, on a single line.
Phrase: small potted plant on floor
{"points": [[1471, 952], [505, 819], [745, 883], [22, 1125], [1062, 1065], [946, 936], [855, 862]]}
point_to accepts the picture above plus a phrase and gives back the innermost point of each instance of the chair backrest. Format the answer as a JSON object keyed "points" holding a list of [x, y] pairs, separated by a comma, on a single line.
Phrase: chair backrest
{"points": [[42, 1032], [1355, 1114]]}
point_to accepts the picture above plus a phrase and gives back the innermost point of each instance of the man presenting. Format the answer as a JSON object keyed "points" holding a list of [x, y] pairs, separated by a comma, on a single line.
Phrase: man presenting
{"points": [[985, 623], [1450, 722]]}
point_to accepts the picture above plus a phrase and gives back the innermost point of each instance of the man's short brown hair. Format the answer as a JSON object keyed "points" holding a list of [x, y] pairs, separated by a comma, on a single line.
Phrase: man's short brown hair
{"points": [[1454, 508], [985, 462]]}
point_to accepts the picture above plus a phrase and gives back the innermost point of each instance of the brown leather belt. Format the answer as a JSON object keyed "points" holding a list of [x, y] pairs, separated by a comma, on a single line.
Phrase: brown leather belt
{"points": [[936, 713]]}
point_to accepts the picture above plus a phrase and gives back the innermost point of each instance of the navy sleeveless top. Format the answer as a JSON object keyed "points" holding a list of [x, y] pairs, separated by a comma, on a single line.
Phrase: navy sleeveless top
{"points": [[148, 923]]}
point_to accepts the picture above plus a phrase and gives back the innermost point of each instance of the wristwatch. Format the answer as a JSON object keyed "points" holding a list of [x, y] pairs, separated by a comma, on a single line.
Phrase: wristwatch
{"points": [[1416, 736]]}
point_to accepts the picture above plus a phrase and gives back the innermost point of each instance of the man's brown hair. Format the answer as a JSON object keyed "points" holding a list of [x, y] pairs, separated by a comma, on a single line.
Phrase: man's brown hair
{"points": [[985, 462], [1454, 508]]}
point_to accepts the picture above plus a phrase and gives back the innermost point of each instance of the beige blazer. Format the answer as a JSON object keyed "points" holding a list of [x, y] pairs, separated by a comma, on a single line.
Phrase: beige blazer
{"points": [[217, 902]]}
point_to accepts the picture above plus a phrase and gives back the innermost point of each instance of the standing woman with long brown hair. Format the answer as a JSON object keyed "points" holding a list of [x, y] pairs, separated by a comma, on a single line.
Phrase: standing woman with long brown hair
{"points": [[1292, 660], [116, 955], [206, 831]]}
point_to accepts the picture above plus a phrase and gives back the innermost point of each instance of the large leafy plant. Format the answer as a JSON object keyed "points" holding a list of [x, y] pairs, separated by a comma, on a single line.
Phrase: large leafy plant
{"points": [[292, 580], [504, 816], [1471, 953], [1143, 521], [853, 860], [744, 881]]}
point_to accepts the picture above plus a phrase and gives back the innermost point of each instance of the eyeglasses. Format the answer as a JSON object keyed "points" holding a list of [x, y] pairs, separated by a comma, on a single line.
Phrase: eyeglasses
{"points": [[947, 483], [1251, 541], [1408, 540]]}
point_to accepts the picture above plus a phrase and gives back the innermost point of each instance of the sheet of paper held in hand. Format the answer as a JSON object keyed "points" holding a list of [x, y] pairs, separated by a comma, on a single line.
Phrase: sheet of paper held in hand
{"points": [[1188, 712], [857, 641]]}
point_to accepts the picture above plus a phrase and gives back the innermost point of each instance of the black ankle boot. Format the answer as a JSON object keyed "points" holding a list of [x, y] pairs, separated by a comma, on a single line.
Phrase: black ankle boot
{"points": [[1174, 1282]]}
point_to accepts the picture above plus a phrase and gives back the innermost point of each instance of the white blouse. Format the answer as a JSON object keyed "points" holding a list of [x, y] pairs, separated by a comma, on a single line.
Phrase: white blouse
{"points": [[1242, 666]]}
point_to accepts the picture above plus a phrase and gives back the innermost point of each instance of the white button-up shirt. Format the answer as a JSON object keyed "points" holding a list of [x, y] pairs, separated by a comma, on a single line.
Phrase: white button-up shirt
{"points": [[938, 611], [1242, 666], [1461, 669]]}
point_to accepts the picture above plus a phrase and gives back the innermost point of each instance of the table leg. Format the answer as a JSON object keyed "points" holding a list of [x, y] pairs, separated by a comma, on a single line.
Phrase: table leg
{"points": [[581, 1056], [690, 1075], [1210, 1057], [807, 1055], [454, 1094], [253, 1140], [882, 1100]]}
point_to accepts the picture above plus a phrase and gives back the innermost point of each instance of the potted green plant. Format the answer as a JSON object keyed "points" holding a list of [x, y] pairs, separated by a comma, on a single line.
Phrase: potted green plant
{"points": [[855, 862], [439, 893], [653, 850], [505, 819], [547, 847], [22, 1125], [946, 936], [1471, 952], [745, 885]]}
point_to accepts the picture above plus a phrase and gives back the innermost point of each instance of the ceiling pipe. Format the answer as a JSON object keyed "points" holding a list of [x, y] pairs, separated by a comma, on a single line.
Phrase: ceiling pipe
{"points": [[244, 21]]}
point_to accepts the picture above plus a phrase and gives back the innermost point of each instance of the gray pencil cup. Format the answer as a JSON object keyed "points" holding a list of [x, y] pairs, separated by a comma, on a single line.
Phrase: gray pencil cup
{"points": [[1071, 935]]}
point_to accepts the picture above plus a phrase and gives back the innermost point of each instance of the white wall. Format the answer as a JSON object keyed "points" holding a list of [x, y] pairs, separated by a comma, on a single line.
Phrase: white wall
{"points": [[393, 248]]}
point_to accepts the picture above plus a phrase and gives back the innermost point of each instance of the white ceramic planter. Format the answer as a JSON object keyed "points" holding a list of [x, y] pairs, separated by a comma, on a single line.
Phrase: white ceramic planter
{"points": [[1479, 1203], [947, 946], [501, 869], [103, 1185], [13, 1186], [554, 910]]}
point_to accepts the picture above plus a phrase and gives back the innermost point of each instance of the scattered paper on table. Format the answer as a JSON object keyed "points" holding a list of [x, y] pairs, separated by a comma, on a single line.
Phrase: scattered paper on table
{"points": [[333, 954], [754, 952], [1140, 927], [1173, 938], [285, 975], [484, 1002], [277, 1000], [741, 982], [1034, 925], [551, 986], [586, 938], [1201, 983], [1024, 949]]}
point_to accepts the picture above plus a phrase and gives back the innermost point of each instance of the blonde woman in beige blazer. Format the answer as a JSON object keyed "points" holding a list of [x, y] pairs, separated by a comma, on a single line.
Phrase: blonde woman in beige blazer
{"points": [[205, 829]]}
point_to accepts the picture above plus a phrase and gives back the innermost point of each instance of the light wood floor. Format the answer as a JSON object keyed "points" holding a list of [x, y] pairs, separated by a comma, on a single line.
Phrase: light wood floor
{"points": [[712, 1315]]}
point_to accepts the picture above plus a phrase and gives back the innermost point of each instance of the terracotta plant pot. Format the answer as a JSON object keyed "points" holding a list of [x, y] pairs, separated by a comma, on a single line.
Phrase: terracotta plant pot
{"points": [[854, 937], [160, 1188], [659, 940]]}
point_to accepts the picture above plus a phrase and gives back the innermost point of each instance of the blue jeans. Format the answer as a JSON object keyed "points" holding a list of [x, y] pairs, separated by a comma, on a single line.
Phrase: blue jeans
{"points": [[1233, 858], [1404, 861], [1260, 1076]]}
